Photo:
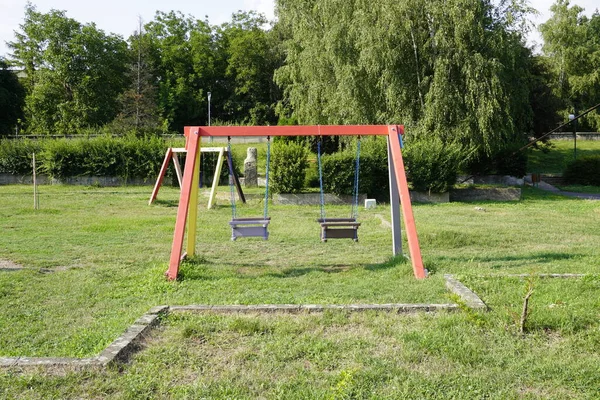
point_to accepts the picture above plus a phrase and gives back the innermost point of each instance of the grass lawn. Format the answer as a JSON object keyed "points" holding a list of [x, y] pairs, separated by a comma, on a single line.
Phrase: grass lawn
{"points": [[93, 261], [556, 159]]}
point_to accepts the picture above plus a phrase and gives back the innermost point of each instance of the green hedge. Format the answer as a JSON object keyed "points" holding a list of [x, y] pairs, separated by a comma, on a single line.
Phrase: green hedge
{"points": [[288, 167], [16, 156], [432, 166], [127, 158], [583, 171], [338, 175], [105, 156]]}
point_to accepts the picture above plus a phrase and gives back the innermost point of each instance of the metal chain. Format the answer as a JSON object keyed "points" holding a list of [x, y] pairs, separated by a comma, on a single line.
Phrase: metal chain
{"points": [[356, 174], [231, 188], [266, 210], [321, 180]]}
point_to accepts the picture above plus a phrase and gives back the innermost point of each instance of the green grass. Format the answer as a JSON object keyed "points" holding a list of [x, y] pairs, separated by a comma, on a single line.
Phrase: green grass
{"points": [[94, 260], [580, 189], [559, 155]]}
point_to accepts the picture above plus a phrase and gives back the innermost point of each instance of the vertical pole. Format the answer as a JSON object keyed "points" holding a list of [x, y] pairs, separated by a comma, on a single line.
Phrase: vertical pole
{"points": [[409, 219], [192, 145], [36, 203], [394, 205], [193, 208]]}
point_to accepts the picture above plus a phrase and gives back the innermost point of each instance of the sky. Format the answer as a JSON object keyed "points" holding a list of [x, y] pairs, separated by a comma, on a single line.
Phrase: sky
{"points": [[121, 16]]}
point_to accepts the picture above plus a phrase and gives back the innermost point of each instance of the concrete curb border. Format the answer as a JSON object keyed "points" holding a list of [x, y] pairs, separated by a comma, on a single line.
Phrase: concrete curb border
{"points": [[467, 295], [122, 347]]}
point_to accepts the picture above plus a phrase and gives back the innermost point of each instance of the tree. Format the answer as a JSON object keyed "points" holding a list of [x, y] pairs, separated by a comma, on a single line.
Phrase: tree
{"points": [[572, 46], [253, 55], [139, 113], [75, 72], [12, 95], [456, 70]]}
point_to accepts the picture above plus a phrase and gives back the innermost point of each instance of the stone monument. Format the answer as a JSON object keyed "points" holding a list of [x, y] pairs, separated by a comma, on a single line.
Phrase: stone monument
{"points": [[250, 171]]}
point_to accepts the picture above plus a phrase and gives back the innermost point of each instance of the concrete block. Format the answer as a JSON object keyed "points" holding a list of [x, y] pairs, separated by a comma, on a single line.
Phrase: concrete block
{"points": [[370, 203]]}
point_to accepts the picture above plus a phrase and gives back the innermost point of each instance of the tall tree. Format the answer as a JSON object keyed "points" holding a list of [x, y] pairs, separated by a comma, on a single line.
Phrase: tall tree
{"points": [[139, 113], [75, 72], [12, 96], [572, 45], [252, 55], [456, 69]]}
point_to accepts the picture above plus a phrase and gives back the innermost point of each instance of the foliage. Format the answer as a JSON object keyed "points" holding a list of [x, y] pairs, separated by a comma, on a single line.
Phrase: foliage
{"points": [[288, 164], [584, 171], [12, 97], [234, 62], [339, 174], [74, 72], [103, 156], [16, 156], [139, 109], [432, 165], [457, 70], [572, 46]]}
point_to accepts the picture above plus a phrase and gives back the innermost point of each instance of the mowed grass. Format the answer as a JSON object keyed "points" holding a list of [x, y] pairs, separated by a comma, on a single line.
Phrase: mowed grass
{"points": [[559, 155], [94, 261]]}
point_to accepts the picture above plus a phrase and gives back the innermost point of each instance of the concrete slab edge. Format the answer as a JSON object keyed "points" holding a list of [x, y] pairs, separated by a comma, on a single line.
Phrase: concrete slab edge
{"points": [[467, 295], [300, 308]]}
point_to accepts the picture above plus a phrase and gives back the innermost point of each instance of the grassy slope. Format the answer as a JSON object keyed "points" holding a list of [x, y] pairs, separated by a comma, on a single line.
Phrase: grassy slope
{"points": [[107, 250], [560, 155]]}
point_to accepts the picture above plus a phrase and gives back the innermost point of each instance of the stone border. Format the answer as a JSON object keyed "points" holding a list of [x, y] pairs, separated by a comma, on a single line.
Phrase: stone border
{"points": [[315, 308], [120, 349], [467, 295]]}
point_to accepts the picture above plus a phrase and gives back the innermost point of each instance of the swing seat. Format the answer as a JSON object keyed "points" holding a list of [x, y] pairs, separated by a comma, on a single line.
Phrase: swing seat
{"points": [[250, 227], [339, 228]]}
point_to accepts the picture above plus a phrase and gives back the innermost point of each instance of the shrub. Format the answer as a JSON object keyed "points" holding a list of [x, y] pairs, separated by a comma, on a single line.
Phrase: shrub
{"points": [[288, 164], [16, 156], [104, 156], [583, 171], [339, 174], [431, 165]]}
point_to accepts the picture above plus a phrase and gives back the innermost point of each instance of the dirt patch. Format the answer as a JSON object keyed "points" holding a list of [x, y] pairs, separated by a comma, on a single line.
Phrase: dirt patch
{"points": [[7, 265]]}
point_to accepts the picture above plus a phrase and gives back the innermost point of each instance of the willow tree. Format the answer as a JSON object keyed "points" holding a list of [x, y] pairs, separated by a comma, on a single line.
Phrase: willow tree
{"points": [[456, 70]]}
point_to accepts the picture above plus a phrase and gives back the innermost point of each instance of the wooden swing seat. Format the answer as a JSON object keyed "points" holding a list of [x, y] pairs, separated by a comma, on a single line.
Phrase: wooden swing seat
{"points": [[339, 228], [250, 227]]}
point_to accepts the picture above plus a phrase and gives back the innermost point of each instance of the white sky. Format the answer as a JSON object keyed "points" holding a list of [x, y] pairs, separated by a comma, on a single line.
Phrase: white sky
{"points": [[120, 16]]}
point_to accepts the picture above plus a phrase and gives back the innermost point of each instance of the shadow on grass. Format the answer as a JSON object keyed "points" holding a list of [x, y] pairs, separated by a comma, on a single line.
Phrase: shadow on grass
{"points": [[166, 203], [517, 261]]}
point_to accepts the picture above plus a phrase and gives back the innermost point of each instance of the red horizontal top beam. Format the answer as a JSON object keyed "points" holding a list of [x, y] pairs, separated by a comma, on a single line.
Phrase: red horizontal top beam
{"points": [[297, 130]]}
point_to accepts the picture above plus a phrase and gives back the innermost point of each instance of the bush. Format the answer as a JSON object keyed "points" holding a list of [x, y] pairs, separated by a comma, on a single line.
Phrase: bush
{"points": [[16, 156], [373, 180], [288, 164], [104, 156], [583, 171], [431, 165]]}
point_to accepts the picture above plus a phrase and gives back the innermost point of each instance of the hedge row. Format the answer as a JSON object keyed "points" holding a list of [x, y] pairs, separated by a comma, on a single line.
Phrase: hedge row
{"points": [[583, 171], [127, 158]]}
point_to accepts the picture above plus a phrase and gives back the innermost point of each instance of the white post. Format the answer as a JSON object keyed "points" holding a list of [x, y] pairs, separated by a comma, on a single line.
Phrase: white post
{"points": [[36, 203]]}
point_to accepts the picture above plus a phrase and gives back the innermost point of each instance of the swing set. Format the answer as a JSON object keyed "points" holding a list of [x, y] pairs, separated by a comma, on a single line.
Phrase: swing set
{"points": [[331, 228]]}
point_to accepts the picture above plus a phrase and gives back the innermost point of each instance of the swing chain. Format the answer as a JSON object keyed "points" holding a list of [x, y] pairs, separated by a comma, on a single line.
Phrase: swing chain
{"points": [[356, 175], [321, 179], [266, 210], [231, 188]]}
